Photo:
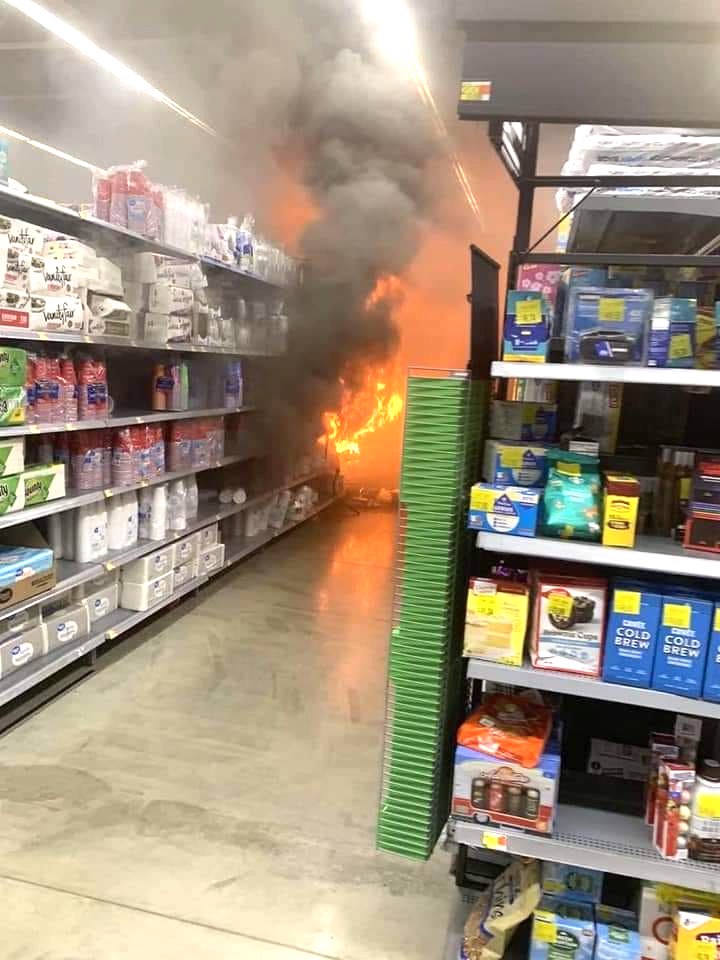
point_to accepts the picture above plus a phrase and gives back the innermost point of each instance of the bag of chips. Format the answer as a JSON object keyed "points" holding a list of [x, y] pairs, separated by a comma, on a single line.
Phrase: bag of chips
{"points": [[510, 899], [571, 499], [508, 727]]}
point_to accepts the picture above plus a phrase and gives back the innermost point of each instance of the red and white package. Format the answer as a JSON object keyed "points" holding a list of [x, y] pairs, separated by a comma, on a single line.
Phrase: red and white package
{"points": [[179, 450], [92, 389], [673, 800], [123, 466], [45, 375], [86, 452], [68, 390]]}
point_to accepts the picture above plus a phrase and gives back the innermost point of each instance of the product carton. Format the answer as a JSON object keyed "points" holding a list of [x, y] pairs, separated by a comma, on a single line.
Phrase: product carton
{"points": [[19, 649], [523, 420], [655, 923], [621, 499], [12, 455], [63, 314], [515, 464], [13, 362], [508, 510], [683, 641], [496, 620], [27, 566], [562, 928], [711, 683], [622, 760], [12, 494], [572, 883], [568, 627], [662, 747], [607, 325], [571, 278], [67, 625], [707, 337], [672, 809], [616, 934], [503, 792], [12, 406], [631, 635], [672, 333], [44, 483], [527, 327], [695, 933]]}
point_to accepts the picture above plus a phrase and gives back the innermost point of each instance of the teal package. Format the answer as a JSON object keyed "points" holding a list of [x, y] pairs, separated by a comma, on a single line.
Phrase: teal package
{"points": [[562, 929], [672, 340], [616, 934], [711, 684], [527, 326], [631, 635], [571, 499], [572, 883], [682, 646]]}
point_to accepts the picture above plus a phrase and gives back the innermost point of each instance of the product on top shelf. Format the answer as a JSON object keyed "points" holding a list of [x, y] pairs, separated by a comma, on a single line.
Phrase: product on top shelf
{"points": [[508, 727], [632, 633], [568, 627], [672, 340], [571, 499], [508, 510], [571, 278], [607, 325], [684, 638], [621, 499], [522, 420], [527, 327], [500, 909], [516, 464], [562, 928], [572, 883], [496, 620]]}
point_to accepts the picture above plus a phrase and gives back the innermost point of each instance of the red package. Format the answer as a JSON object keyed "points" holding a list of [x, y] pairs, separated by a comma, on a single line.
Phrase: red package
{"points": [[509, 728]]}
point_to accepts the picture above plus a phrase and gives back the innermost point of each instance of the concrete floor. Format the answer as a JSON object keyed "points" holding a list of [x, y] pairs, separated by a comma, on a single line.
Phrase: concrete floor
{"points": [[212, 791]]}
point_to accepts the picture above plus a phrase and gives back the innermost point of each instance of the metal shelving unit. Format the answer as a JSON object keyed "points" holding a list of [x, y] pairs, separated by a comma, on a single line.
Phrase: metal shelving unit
{"points": [[577, 686], [578, 372]]}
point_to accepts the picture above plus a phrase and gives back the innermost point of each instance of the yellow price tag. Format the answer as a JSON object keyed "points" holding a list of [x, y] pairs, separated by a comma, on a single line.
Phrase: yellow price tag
{"points": [[560, 604], [716, 621], [512, 457], [111, 634], [34, 428], [708, 805], [42, 336], [626, 601], [482, 500], [569, 469], [494, 841], [680, 346], [108, 493], [611, 309], [475, 90], [109, 566], [71, 426], [483, 604], [528, 312], [676, 615]]}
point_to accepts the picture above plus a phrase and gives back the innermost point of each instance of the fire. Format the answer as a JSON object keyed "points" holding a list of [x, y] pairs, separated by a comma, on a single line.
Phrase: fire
{"points": [[362, 412], [388, 288]]}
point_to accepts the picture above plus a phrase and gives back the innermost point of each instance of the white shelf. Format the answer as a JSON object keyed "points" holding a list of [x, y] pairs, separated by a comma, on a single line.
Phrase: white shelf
{"points": [[595, 839], [557, 682], [121, 419], [653, 554], [605, 374]]}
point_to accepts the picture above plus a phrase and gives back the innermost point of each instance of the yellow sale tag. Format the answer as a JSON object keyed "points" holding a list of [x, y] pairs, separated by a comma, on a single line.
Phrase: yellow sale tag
{"points": [[528, 311], [560, 605], [680, 346], [676, 615], [611, 309], [482, 500], [544, 927], [477, 90], [708, 805], [494, 841], [716, 621], [569, 469], [484, 604], [627, 601], [512, 457]]}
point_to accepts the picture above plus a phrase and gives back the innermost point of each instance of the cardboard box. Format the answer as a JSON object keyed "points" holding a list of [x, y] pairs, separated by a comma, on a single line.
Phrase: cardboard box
{"points": [[211, 560], [186, 550], [488, 790], [102, 601], [622, 760], [151, 567], [13, 363], [208, 536], [672, 809], [19, 649], [572, 883], [66, 626], [682, 647], [695, 933], [616, 934], [12, 455], [508, 510], [515, 464], [568, 628], [523, 420], [527, 327], [142, 596], [662, 747], [672, 338], [496, 620], [44, 483], [631, 635], [654, 923], [24, 548], [12, 406], [12, 494], [562, 928], [711, 681], [185, 573], [621, 499]]}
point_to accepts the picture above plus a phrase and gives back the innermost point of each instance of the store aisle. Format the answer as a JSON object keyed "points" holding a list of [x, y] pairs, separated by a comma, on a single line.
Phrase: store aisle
{"points": [[212, 792]]}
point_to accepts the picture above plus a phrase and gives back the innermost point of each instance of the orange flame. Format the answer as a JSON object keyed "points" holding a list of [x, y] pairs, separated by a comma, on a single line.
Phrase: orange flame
{"points": [[341, 429]]}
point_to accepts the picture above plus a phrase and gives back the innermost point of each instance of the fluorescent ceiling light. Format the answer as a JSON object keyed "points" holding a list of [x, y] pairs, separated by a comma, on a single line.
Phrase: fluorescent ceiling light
{"points": [[107, 61], [60, 154]]}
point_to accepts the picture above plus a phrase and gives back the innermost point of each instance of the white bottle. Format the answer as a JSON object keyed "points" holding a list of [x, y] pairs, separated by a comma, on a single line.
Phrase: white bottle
{"points": [[177, 517], [91, 533], [116, 524], [192, 497], [55, 535], [145, 513], [158, 517], [130, 509]]}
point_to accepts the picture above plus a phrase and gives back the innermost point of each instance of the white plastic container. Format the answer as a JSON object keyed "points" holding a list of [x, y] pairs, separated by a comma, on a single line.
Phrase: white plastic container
{"points": [[67, 625], [116, 524], [158, 516], [145, 499], [208, 536], [151, 567], [91, 533], [142, 596], [185, 573], [102, 602], [130, 508], [211, 560], [177, 516], [186, 550]]}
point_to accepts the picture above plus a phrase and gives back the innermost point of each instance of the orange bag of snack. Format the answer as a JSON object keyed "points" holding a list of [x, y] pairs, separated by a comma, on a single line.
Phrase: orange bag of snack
{"points": [[509, 728]]}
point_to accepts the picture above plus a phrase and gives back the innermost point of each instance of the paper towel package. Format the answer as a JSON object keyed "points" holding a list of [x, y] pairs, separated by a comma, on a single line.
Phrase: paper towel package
{"points": [[44, 483], [185, 573], [23, 236], [53, 277]]}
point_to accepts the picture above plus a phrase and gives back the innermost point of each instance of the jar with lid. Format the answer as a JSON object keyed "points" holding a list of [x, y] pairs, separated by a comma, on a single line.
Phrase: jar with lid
{"points": [[704, 834]]}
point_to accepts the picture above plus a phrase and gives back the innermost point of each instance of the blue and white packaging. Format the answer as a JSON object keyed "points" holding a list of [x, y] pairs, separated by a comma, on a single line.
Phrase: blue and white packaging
{"points": [[525, 420], [682, 645], [574, 277], [672, 340], [562, 928], [514, 463], [631, 635], [571, 882], [508, 510], [608, 325], [527, 326], [616, 934], [711, 686]]}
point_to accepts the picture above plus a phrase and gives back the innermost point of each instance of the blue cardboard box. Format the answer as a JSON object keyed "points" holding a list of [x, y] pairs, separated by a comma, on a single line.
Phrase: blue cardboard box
{"points": [[562, 928], [527, 326], [672, 333], [514, 463], [616, 934], [574, 277], [572, 883], [682, 645], [631, 634], [608, 325], [509, 510], [711, 686]]}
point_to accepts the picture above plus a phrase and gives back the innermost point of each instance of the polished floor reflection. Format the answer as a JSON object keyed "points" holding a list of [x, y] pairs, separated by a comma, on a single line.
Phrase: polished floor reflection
{"points": [[212, 791]]}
